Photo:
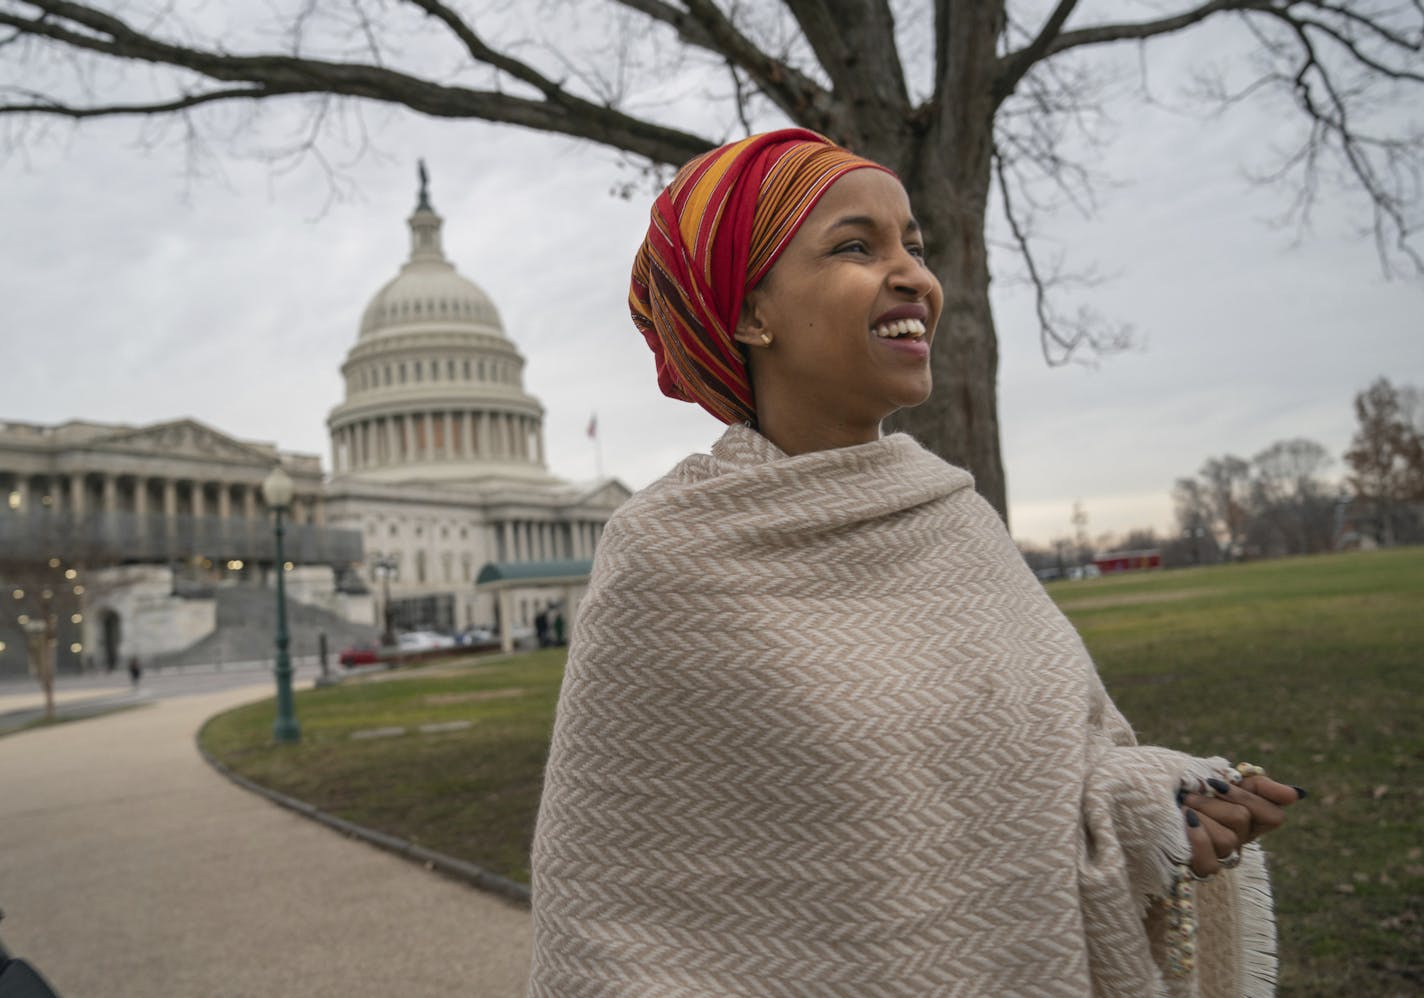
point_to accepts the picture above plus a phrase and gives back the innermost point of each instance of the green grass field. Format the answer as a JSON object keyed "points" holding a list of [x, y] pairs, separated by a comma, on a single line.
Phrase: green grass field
{"points": [[1313, 667]]}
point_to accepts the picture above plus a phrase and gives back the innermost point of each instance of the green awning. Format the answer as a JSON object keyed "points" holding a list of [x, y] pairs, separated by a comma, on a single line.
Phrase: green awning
{"points": [[510, 574]]}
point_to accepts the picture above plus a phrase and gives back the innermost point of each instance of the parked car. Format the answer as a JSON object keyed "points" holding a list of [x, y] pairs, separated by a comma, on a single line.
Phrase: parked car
{"points": [[477, 636], [360, 654], [424, 641]]}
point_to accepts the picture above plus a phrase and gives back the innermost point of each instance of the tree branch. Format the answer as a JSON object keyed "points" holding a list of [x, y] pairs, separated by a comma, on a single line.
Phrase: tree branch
{"points": [[559, 111], [41, 104], [1018, 63], [1060, 338], [1014, 65], [704, 25]]}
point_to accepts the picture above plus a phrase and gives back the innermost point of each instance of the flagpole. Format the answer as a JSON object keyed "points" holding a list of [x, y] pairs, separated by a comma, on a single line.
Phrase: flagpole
{"points": [[597, 445]]}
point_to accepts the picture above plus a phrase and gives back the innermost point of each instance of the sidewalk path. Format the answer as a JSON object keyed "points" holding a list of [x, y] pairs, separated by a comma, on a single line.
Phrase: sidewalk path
{"points": [[128, 867]]}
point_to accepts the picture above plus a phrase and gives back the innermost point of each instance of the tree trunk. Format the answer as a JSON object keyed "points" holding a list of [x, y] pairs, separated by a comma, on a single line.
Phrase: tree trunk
{"points": [[946, 165], [960, 420]]}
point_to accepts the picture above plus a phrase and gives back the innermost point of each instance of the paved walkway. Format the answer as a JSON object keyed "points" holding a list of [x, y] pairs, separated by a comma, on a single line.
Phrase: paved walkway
{"points": [[128, 867]]}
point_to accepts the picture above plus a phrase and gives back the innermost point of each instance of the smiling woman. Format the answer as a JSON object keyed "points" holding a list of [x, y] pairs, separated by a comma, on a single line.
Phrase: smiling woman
{"points": [[821, 731]]}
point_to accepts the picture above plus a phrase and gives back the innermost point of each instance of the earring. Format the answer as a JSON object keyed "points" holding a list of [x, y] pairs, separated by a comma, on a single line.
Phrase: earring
{"points": [[766, 339]]}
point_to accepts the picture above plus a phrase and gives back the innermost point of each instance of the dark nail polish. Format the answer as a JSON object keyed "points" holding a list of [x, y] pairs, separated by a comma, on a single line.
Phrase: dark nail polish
{"points": [[1219, 786], [1300, 793], [1182, 797], [1192, 819]]}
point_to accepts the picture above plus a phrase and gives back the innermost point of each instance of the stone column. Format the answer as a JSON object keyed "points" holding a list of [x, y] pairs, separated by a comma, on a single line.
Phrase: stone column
{"points": [[469, 433], [249, 502], [539, 443], [200, 501], [76, 493], [449, 435], [482, 447], [170, 500], [140, 496], [224, 501], [390, 438], [506, 544]]}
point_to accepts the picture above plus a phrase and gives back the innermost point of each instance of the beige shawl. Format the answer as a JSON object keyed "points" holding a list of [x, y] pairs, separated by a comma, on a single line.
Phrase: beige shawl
{"points": [[823, 733]]}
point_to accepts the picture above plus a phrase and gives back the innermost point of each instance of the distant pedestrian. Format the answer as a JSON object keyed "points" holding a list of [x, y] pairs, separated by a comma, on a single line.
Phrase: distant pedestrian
{"points": [[541, 628], [135, 670]]}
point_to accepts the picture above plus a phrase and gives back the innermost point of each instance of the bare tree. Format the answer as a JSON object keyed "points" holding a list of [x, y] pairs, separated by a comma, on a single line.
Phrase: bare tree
{"points": [[1386, 456], [1195, 518], [1292, 506], [994, 92]]}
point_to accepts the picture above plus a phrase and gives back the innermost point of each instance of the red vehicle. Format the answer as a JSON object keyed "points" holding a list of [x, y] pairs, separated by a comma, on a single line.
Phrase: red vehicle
{"points": [[365, 654], [1128, 561]]}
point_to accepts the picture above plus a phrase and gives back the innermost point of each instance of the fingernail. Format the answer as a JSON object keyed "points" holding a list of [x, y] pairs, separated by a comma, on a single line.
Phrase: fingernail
{"points": [[1218, 785], [1300, 793], [1182, 797], [1192, 818]]}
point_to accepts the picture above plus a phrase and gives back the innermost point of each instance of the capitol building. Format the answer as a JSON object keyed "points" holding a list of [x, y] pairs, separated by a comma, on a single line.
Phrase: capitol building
{"points": [[438, 510], [437, 450]]}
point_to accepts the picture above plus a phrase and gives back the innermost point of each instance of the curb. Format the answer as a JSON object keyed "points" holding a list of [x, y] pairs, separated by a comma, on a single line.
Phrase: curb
{"points": [[457, 869]]}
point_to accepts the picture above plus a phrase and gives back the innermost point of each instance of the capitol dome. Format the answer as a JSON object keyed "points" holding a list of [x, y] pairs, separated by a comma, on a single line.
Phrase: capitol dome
{"points": [[434, 386]]}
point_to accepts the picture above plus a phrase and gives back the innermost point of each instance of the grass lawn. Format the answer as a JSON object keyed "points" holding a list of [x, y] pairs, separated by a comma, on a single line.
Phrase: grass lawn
{"points": [[1311, 667]]}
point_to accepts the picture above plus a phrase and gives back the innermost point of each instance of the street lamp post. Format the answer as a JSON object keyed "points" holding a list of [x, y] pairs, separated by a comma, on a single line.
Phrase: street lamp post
{"points": [[277, 491], [386, 567]]}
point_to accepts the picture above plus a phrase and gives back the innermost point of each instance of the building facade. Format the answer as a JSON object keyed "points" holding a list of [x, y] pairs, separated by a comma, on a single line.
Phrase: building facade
{"points": [[155, 518], [437, 449]]}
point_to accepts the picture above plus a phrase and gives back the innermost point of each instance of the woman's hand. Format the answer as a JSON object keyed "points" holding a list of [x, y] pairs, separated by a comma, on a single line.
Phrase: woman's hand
{"points": [[1217, 827]]}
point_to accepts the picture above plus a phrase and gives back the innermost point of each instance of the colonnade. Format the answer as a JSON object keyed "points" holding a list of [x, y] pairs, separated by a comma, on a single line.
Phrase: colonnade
{"points": [[379, 441], [81, 493], [533, 540]]}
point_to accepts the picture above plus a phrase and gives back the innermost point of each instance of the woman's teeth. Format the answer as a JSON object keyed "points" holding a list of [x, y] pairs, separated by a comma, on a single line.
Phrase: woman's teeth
{"points": [[900, 327]]}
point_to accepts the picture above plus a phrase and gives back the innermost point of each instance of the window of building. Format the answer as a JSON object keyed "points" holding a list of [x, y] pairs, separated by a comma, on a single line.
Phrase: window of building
{"points": [[467, 369], [450, 369], [388, 374], [392, 531], [417, 370], [402, 373], [420, 566]]}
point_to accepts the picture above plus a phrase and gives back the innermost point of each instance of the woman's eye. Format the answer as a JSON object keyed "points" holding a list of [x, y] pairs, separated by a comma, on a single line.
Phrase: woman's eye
{"points": [[915, 249], [856, 246]]}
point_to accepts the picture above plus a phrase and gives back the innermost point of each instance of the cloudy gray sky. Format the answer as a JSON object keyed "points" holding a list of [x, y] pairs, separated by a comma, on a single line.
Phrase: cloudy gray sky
{"points": [[130, 292]]}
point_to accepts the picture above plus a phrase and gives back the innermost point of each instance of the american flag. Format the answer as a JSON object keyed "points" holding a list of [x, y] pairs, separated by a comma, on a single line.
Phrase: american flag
{"points": [[593, 427]]}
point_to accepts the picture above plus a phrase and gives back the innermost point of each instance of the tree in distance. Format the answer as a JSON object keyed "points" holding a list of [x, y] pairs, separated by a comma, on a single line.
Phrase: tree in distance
{"points": [[970, 101]]}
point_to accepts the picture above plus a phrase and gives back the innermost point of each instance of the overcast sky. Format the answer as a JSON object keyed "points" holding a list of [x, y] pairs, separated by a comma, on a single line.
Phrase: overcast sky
{"points": [[129, 293]]}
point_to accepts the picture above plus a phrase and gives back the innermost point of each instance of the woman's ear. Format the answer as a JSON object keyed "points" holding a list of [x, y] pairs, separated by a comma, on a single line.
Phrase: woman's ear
{"points": [[752, 329]]}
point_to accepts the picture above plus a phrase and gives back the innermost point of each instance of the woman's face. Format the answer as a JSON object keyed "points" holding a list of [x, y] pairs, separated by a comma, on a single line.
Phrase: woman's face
{"points": [[851, 309]]}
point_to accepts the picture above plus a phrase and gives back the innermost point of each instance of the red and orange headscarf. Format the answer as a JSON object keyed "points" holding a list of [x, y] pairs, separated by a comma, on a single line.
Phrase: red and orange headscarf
{"points": [[714, 234]]}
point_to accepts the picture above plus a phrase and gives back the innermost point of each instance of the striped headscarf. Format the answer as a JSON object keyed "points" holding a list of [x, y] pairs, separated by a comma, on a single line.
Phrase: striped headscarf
{"points": [[715, 232]]}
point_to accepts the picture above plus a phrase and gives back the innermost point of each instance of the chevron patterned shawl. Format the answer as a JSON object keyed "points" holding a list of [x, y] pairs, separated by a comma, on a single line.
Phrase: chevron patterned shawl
{"points": [[823, 733]]}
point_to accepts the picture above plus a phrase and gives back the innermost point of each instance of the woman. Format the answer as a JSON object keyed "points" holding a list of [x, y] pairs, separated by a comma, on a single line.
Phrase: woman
{"points": [[821, 731]]}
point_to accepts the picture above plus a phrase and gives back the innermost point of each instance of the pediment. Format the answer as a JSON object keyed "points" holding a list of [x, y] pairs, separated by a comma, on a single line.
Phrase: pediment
{"points": [[184, 438], [605, 495]]}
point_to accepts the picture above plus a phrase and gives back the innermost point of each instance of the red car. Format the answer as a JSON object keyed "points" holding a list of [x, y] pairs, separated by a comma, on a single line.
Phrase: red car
{"points": [[360, 655]]}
